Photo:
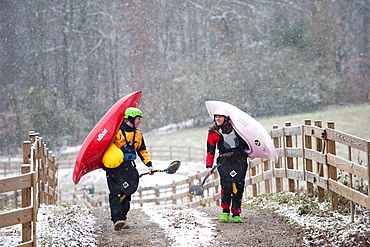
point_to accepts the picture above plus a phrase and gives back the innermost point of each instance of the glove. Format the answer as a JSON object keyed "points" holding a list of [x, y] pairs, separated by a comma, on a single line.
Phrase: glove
{"points": [[150, 170]]}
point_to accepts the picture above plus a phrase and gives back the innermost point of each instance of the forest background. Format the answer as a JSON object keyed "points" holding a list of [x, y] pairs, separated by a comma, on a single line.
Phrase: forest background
{"points": [[63, 64]]}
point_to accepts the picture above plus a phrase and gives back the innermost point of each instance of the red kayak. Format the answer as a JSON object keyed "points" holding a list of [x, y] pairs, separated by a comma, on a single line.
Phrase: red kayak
{"points": [[101, 136]]}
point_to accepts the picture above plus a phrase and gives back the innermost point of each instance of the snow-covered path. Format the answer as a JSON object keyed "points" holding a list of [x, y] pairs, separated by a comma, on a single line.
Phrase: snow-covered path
{"points": [[172, 225], [184, 226]]}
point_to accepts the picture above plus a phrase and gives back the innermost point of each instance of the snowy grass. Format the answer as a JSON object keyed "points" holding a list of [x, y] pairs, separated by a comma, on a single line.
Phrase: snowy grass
{"points": [[321, 225]]}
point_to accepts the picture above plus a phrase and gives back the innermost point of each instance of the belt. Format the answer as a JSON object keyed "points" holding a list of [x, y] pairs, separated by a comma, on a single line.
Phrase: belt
{"points": [[229, 154]]}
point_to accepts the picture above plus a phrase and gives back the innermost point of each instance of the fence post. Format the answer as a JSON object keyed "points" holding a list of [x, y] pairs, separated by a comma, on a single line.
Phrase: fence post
{"points": [[308, 145], [26, 192], [266, 166], [190, 183], [352, 205], [289, 144], [42, 171], [332, 170], [217, 187], [5, 166], [74, 196], [157, 194], [141, 196], [278, 181], [320, 167], [368, 170], [16, 198], [174, 201], [254, 186], [52, 178]]}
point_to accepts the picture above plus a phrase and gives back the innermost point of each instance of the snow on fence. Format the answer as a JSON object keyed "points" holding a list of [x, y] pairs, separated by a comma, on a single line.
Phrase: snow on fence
{"points": [[37, 183], [311, 158]]}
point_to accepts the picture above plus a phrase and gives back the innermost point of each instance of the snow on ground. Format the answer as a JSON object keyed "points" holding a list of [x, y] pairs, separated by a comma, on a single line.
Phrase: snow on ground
{"points": [[70, 225], [185, 226], [323, 226], [57, 225]]}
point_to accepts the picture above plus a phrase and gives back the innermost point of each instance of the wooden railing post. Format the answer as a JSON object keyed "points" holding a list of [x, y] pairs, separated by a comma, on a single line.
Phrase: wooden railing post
{"points": [[157, 194], [320, 166], [278, 181], [308, 162], [26, 193], [266, 166], [190, 183], [217, 187], [368, 171], [174, 201], [289, 144], [41, 168], [253, 171], [332, 170], [352, 205], [51, 179]]}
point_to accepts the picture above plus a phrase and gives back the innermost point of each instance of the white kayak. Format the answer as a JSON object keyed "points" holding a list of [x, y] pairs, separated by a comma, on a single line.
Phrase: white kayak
{"points": [[259, 141]]}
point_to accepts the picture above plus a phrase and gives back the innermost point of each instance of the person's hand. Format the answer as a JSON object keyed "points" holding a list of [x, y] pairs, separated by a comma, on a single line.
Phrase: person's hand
{"points": [[209, 171], [150, 170]]}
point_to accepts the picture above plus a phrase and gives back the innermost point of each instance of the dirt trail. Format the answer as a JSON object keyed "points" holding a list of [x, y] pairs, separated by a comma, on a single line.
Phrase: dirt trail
{"points": [[258, 229]]}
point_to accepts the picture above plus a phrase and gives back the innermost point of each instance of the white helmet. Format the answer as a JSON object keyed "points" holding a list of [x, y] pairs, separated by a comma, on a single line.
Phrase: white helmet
{"points": [[222, 111]]}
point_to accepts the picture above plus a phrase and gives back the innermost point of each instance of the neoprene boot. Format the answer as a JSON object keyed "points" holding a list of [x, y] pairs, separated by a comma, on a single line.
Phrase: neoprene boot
{"points": [[121, 224], [237, 219], [224, 217]]}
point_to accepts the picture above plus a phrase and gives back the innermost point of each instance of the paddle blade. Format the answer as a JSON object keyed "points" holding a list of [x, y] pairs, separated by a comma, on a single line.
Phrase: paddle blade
{"points": [[173, 167], [196, 190]]}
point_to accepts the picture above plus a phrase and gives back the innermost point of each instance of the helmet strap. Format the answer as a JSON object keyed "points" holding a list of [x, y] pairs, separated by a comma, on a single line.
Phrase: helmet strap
{"points": [[131, 120]]}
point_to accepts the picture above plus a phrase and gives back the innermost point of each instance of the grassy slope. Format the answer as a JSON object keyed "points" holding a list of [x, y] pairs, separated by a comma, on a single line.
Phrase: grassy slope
{"points": [[353, 120]]}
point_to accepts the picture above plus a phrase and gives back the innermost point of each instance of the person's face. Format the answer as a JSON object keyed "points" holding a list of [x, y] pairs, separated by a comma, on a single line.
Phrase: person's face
{"points": [[219, 120], [137, 122]]}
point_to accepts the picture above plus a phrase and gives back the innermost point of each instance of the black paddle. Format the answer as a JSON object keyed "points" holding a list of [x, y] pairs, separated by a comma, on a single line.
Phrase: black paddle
{"points": [[197, 190], [171, 169]]}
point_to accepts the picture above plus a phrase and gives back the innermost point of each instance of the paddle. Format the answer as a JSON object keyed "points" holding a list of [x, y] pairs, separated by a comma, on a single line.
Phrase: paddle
{"points": [[197, 190], [171, 169]]}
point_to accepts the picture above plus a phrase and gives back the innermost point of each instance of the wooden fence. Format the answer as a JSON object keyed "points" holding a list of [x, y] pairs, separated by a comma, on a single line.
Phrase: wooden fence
{"points": [[318, 159], [9, 166], [311, 158], [37, 183], [183, 153]]}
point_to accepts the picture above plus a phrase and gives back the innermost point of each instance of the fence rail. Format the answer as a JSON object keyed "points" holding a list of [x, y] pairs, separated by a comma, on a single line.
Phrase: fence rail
{"points": [[37, 184], [311, 158], [177, 192]]}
